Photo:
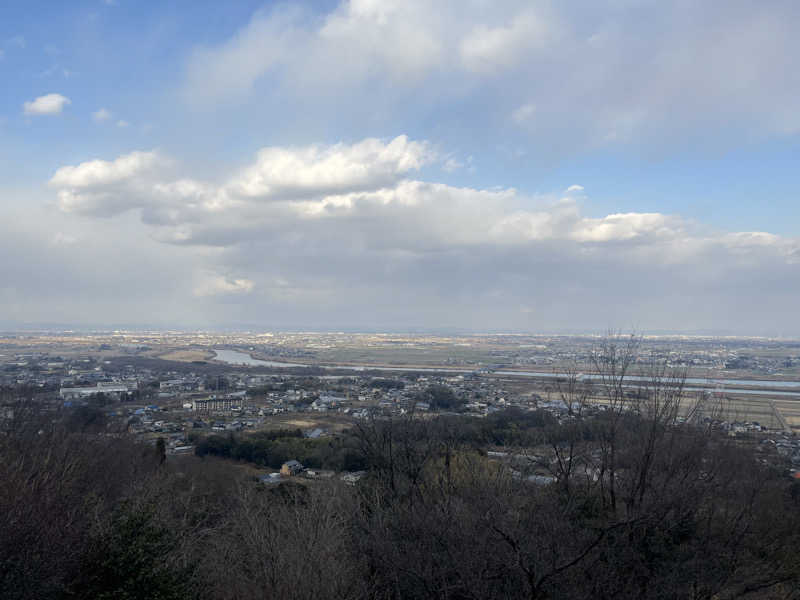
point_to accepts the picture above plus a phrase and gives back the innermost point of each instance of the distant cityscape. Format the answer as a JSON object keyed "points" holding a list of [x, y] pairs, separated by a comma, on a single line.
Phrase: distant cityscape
{"points": [[175, 385]]}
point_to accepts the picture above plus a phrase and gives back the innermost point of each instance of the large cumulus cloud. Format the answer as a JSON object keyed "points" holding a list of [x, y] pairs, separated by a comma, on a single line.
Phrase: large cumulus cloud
{"points": [[345, 235]]}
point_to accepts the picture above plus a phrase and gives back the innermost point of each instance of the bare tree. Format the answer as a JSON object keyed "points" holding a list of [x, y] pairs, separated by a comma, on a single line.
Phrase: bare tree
{"points": [[612, 360]]}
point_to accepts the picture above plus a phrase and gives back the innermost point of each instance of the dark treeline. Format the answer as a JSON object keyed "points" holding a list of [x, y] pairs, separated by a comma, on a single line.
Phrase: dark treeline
{"points": [[640, 504], [273, 448], [90, 516], [344, 452]]}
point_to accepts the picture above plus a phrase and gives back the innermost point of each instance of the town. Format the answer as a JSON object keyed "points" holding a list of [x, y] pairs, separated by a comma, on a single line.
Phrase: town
{"points": [[182, 387]]}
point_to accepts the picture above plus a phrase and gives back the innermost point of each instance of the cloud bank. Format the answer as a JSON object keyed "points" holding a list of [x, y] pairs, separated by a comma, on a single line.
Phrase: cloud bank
{"points": [[345, 235], [582, 75]]}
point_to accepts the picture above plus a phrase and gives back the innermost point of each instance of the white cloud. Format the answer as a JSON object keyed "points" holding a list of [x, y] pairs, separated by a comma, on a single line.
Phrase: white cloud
{"points": [[524, 113], [101, 172], [359, 40], [346, 229], [753, 238], [232, 68], [215, 285], [401, 35], [627, 226], [452, 164], [49, 104], [611, 74], [106, 188], [368, 164], [361, 194], [63, 239], [101, 115], [278, 174], [122, 124], [486, 49]]}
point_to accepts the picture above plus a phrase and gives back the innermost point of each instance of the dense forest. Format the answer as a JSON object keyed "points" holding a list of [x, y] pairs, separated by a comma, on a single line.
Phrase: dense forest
{"points": [[638, 503]]}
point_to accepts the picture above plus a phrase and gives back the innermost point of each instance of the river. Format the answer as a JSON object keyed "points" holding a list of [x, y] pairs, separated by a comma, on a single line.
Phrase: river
{"points": [[768, 387], [233, 357]]}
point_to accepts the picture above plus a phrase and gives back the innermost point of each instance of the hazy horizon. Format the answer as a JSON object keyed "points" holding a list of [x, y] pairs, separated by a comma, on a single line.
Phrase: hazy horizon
{"points": [[56, 328]]}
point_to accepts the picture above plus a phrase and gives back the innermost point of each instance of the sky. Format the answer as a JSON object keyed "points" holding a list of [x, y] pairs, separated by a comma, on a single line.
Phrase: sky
{"points": [[471, 165]]}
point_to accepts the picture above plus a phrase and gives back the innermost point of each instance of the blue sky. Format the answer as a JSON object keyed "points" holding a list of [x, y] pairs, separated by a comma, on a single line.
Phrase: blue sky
{"points": [[455, 154]]}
